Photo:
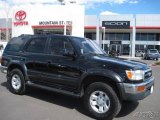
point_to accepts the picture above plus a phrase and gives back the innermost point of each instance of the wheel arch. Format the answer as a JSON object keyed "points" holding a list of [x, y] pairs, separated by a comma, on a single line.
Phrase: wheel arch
{"points": [[89, 79], [12, 66]]}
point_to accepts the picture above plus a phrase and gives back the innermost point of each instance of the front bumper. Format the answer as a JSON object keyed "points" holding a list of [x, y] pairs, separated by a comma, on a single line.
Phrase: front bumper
{"points": [[131, 92], [3, 69]]}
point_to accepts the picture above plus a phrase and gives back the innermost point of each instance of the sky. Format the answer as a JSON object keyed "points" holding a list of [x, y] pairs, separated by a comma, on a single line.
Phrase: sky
{"points": [[95, 7]]}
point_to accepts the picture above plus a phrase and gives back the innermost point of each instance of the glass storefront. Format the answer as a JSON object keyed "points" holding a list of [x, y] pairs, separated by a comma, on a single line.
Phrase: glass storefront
{"points": [[117, 36], [148, 36], [145, 47]]}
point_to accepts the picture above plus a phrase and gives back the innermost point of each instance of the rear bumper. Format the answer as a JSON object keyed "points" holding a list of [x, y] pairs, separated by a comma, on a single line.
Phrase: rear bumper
{"points": [[131, 91], [3, 69]]}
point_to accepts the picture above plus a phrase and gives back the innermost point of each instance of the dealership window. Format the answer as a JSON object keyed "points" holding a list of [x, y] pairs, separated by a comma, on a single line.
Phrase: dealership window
{"points": [[106, 36], [143, 36], [126, 36], [148, 36], [90, 35], [150, 46], [125, 49], [151, 37], [112, 36], [138, 36], [139, 47], [117, 36], [157, 37], [105, 47]]}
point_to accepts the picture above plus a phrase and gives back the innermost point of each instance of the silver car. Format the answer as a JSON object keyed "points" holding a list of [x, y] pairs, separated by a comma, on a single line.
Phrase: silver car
{"points": [[139, 53], [151, 54]]}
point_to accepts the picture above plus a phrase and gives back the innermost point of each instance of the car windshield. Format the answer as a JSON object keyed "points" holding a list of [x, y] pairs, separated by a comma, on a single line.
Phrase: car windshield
{"points": [[153, 51], [88, 46]]}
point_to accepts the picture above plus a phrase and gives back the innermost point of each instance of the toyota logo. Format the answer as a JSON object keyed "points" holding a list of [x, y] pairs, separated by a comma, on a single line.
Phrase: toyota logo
{"points": [[20, 15]]}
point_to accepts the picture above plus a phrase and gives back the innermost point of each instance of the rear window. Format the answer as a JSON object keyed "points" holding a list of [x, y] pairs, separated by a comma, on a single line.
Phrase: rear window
{"points": [[153, 51], [15, 44]]}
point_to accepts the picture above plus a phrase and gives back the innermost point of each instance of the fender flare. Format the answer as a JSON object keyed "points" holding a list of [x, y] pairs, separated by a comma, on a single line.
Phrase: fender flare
{"points": [[20, 65]]}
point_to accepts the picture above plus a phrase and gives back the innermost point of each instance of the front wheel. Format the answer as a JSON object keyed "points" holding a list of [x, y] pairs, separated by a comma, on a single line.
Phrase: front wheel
{"points": [[101, 101], [16, 82]]}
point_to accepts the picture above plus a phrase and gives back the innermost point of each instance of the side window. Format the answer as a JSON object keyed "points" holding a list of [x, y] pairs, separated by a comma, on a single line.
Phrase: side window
{"points": [[58, 45], [37, 45], [15, 44]]}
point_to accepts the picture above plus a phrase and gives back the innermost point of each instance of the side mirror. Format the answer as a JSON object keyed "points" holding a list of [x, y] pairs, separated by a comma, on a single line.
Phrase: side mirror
{"points": [[68, 52]]}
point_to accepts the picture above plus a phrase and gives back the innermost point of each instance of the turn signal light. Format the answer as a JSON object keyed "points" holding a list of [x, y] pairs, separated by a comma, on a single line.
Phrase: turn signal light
{"points": [[129, 74], [140, 88]]}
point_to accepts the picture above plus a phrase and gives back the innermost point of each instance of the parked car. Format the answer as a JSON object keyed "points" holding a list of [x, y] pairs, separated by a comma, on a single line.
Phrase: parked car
{"points": [[139, 53], [151, 54], [78, 67]]}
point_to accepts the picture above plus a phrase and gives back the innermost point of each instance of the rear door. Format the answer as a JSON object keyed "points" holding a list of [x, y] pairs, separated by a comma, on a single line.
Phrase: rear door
{"points": [[36, 58]]}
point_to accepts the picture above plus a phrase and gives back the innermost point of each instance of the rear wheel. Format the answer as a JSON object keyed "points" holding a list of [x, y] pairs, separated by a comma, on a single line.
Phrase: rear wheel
{"points": [[101, 101], [16, 82]]}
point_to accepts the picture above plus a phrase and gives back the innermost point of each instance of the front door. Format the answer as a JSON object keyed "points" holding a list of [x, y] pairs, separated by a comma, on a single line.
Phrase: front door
{"points": [[116, 48], [63, 71]]}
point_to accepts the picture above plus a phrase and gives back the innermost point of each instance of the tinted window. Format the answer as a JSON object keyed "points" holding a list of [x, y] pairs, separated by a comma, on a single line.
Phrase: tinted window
{"points": [[87, 46], [112, 36], [15, 44], [151, 37], [119, 36], [37, 45], [126, 36], [144, 36], [138, 36], [58, 45]]}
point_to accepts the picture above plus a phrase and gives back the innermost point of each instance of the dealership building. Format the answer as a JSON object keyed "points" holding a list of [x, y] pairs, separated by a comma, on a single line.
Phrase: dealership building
{"points": [[124, 33]]}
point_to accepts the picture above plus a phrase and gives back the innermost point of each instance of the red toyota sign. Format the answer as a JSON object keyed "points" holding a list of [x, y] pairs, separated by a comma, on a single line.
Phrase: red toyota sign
{"points": [[20, 16]]}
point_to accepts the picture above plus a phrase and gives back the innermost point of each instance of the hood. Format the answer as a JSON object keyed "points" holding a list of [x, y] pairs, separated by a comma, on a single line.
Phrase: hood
{"points": [[121, 62]]}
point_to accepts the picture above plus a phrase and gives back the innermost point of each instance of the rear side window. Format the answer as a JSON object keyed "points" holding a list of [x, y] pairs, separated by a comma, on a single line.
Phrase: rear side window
{"points": [[37, 45], [15, 45]]}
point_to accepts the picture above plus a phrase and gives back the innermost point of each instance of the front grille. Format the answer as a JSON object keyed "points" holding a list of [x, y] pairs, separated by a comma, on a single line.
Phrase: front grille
{"points": [[148, 74]]}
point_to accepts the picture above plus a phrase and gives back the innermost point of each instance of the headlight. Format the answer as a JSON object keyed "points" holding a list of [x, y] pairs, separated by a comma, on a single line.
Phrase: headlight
{"points": [[135, 75]]}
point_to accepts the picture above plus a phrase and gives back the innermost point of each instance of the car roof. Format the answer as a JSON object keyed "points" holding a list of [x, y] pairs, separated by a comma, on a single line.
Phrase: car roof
{"points": [[47, 35]]}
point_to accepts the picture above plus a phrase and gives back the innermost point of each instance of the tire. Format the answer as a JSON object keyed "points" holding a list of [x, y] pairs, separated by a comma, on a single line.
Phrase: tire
{"points": [[157, 59], [113, 102], [16, 82]]}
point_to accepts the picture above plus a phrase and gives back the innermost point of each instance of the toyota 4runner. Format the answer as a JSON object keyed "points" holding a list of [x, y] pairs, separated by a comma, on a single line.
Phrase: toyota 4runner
{"points": [[78, 67]]}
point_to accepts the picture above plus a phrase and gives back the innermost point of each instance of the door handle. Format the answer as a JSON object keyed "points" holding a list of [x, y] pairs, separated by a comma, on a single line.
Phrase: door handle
{"points": [[49, 62]]}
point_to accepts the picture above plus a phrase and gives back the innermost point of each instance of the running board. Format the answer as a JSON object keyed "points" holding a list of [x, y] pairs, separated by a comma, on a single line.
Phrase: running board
{"points": [[53, 89]]}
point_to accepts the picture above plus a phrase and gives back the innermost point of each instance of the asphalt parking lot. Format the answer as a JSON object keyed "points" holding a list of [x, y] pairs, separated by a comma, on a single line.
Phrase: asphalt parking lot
{"points": [[39, 104]]}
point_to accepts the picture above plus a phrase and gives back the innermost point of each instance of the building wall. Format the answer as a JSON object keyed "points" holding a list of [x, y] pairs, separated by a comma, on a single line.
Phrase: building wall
{"points": [[150, 20], [37, 13], [141, 23]]}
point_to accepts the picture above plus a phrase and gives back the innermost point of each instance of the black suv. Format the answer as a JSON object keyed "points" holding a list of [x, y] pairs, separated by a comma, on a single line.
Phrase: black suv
{"points": [[78, 67]]}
